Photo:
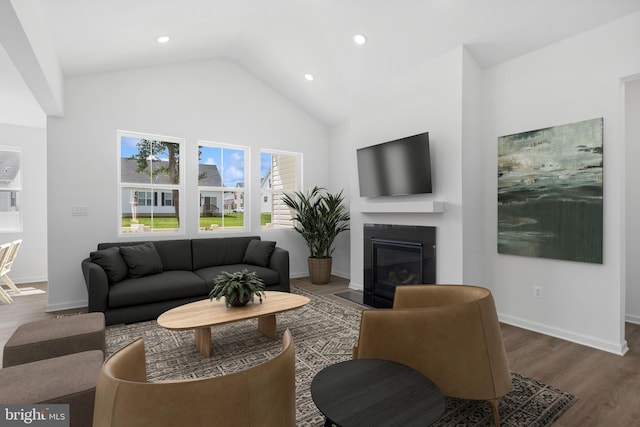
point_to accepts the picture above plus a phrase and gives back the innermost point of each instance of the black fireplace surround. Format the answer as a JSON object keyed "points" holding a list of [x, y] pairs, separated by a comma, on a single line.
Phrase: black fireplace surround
{"points": [[396, 255]]}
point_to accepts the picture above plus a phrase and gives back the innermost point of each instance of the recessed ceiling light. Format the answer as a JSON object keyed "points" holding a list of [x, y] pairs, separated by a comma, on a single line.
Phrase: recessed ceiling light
{"points": [[309, 76], [360, 39], [163, 39]]}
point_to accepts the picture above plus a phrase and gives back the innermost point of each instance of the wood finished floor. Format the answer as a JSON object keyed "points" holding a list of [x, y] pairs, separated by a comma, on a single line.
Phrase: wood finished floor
{"points": [[607, 386]]}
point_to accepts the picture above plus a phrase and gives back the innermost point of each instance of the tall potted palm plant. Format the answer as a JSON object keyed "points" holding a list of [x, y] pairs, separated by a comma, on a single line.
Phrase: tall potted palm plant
{"points": [[319, 217]]}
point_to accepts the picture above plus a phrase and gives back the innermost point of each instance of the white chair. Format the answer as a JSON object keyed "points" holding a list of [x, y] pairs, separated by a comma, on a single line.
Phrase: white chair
{"points": [[4, 251], [10, 256]]}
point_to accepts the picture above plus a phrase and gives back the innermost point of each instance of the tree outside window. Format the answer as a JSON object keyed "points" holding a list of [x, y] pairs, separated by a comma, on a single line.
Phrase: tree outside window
{"points": [[150, 183]]}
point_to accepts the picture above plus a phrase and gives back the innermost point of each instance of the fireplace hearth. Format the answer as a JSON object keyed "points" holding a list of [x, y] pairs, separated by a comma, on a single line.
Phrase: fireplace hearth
{"points": [[396, 255]]}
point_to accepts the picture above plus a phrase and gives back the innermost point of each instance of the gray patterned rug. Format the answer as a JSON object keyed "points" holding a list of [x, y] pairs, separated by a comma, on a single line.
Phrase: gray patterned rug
{"points": [[324, 332]]}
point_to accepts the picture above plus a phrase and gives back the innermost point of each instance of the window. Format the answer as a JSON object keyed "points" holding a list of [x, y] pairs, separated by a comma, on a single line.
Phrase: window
{"points": [[10, 189], [279, 172], [143, 198], [221, 185], [167, 199], [151, 184]]}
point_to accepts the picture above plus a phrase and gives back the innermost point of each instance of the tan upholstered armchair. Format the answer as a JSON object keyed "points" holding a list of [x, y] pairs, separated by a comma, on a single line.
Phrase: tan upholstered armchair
{"points": [[260, 396], [448, 332]]}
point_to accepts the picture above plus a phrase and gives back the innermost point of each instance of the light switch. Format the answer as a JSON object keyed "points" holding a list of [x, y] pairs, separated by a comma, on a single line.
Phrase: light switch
{"points": [[79, 211]]}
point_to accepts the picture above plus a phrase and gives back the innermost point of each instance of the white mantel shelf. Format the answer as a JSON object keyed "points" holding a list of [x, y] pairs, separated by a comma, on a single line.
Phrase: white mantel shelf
{"points": [[398, 207]]}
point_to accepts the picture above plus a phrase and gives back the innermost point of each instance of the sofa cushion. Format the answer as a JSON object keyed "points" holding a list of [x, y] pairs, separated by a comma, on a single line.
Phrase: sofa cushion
{"points": [[219, 251], [142, 259], [259, 252], [112, 263], [208, 274], [168, 285], [174, 254]]}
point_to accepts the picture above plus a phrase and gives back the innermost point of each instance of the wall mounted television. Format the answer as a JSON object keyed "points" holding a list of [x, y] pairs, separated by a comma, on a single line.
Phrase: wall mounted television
{"points": [[395, 168]]}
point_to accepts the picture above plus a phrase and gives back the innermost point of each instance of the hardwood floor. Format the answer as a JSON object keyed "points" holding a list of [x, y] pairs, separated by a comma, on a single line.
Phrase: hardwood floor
{"points": [[606, 386], [23, 309]]}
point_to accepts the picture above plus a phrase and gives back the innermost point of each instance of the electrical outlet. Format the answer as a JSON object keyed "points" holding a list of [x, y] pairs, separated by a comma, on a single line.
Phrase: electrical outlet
{"points": [[537, 291]]}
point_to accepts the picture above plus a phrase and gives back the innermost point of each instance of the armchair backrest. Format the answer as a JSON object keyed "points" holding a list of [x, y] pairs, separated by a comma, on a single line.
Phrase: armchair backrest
{"points": [[448, 332], [263, 395]]}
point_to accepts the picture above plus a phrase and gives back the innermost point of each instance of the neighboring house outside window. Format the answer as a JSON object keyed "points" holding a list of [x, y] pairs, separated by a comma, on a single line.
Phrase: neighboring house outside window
{"points": [[221, 178], [280, 173], [150, 183]]}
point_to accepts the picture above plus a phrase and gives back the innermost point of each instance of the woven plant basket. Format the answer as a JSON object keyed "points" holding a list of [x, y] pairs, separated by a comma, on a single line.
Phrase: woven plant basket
{"points": [[319, 270]]}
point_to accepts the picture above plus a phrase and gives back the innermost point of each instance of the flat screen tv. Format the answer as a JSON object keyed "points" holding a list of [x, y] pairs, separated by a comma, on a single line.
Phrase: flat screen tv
{"points": [[395, 168]]}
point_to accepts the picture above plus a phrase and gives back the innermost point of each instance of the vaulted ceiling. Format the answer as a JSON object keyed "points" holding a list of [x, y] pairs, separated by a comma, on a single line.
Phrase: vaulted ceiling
{"points": [[281, 40]]}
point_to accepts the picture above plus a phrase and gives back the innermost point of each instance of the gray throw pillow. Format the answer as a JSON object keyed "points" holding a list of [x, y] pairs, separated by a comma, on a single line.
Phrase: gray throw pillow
{"points": [[142, 259], [112, 263], [259, 252]]}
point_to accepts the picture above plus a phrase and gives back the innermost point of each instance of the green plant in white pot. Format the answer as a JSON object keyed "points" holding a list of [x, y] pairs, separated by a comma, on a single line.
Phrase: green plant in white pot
{"points": [[237, 288], [320, 216]]}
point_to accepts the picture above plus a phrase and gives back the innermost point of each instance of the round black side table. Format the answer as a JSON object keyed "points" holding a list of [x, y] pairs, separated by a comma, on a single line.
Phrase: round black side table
{"points": [[373, 392]]}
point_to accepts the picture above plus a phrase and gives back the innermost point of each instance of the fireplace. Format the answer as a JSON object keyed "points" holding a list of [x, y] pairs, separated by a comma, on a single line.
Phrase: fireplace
{"points": [[396, 255]]}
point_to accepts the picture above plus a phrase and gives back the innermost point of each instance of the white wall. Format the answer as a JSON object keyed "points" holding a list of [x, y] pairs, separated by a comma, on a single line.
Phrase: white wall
{"points": [[428, 98], [632, 199], [473, 196], [212, 100], [26, 40], [341, 169], [465, 109], [574, 80], [31, 263]]}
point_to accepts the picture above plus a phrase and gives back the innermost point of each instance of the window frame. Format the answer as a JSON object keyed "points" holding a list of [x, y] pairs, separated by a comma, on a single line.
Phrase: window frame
{"points": [[242, 193], [153, 188]]}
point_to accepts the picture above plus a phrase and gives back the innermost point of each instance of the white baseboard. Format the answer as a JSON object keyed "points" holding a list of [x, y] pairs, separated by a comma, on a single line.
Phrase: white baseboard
{"points": [[632, 318], [356, 286], [51, 308], [608, 346], [306, 274], [27, 280], [340, 274]]}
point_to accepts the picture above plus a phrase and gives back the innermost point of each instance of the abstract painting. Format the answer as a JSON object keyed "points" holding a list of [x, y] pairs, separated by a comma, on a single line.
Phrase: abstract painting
{"points": [[550, 192]]}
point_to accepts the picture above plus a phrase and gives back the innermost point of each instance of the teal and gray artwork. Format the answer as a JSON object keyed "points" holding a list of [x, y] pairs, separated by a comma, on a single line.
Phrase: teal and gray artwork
{"points": [[550, 192]]}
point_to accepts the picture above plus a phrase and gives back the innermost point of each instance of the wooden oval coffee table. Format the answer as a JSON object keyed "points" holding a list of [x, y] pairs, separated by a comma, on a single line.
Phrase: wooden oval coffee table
{"points": [[202, 315]]}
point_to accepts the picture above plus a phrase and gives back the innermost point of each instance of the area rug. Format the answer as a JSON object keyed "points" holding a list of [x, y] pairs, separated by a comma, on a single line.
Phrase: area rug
{"points": [[324, 333]]}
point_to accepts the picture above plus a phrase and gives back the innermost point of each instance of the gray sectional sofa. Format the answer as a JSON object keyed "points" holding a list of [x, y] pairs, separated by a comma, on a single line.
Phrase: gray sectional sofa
{"points": [[137, 281]]}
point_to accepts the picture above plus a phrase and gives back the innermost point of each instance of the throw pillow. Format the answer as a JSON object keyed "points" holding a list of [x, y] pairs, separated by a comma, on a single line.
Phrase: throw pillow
{"points": [[112, 263], [142, 259], [259, 252]]}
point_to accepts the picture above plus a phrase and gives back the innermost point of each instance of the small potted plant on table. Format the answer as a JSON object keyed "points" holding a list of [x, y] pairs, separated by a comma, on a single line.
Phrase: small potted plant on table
{"points": [[237, 288]]}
